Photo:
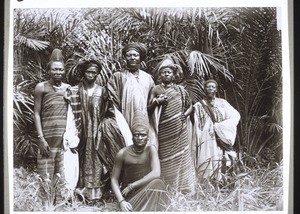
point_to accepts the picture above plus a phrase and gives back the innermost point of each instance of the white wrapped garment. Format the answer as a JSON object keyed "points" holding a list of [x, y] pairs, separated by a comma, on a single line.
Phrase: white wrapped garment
{"points": [[71, 161], [208, 153]]}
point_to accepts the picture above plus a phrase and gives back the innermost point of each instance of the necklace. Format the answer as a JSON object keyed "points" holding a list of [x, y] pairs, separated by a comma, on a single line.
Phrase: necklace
{"points": [[167, 85], [55, 84], [137, 151], [57, 87]]}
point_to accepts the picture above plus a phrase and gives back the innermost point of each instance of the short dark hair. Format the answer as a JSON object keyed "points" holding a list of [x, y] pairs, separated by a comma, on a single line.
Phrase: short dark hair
{"points": [[210, 80]]}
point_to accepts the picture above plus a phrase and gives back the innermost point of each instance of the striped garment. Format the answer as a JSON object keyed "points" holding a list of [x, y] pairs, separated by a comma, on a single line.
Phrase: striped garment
{"points": [[51, 168], [100, 138], [177, 167], [54, 114], [54, 119], [151, 197], [51, 165], [89, 110], [74, 100]]}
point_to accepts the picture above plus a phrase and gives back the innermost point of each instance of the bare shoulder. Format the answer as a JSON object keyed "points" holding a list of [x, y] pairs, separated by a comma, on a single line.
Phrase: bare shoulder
{"points": [[156, 90], [40, 86], [122, 152], [152, 149]]}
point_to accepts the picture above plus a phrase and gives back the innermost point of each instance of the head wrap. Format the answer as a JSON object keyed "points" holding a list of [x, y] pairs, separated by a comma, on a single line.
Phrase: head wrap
{"points": [[165, 62], [210, 80], [140, 121], [84, 64], [169, 63], [137, 46]]}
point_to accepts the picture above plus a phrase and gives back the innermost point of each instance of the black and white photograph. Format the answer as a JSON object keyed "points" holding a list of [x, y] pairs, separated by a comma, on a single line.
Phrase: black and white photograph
{"points": [[178, 107]]}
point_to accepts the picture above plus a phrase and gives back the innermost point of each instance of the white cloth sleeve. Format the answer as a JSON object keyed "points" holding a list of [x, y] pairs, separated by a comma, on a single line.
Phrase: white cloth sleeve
{"points": [[123, 126], [70, 138], [226, 129]]}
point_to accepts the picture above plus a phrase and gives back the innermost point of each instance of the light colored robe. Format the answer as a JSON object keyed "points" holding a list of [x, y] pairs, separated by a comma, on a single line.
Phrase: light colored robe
{"points": [[128, 94], [71, 161], [208, 153]]}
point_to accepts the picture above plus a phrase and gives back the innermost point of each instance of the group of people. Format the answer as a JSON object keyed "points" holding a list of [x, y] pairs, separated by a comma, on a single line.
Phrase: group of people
{"points": [[131, 132]]}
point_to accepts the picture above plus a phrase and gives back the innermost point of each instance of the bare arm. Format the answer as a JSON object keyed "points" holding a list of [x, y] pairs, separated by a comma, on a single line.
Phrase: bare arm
{"points": [[124, 205], [188, 111], [38, 97], [155, 99], [116, 175]]}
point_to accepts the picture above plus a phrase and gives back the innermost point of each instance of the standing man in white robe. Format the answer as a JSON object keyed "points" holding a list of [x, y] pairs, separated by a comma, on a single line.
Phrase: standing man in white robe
{"points": [[129, 88], [209, 154]]}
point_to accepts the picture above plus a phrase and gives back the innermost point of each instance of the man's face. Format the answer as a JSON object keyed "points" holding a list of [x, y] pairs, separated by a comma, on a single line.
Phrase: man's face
{"points": [[211, 89], [57, 71], [90, 74], [140, 137], [167, 75], [133, 59]]}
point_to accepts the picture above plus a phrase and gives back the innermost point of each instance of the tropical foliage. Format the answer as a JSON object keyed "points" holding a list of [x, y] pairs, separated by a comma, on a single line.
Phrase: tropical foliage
{"points": [[239, 47]]}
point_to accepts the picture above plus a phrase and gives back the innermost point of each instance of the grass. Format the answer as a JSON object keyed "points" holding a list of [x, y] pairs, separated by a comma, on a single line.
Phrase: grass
{"points": [[258, 189]]}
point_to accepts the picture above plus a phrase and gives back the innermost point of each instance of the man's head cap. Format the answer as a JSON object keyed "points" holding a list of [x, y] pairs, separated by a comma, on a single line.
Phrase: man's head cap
{"points": [[137, 46], [57, 56], [140, 121]]}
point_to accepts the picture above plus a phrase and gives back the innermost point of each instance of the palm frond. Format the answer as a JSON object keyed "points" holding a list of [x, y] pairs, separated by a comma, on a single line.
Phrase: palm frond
{"points": [[201, 64]]}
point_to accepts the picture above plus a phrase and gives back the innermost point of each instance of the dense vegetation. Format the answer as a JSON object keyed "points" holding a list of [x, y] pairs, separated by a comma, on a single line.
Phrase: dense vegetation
{"points": [[239, 47]]}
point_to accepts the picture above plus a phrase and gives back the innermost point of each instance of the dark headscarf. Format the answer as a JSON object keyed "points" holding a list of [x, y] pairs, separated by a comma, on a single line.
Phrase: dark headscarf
{"points": [[86, 63], [137, 46]]}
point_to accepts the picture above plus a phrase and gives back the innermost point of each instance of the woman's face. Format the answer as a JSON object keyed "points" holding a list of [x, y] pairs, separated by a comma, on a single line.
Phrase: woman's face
{"points": [[90, 74], [133, 59], [167, 75], [57, 71]]}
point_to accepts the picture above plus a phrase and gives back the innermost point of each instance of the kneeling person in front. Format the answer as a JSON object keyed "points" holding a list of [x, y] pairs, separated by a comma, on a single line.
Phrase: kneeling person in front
{"points": [[137, 168]]}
